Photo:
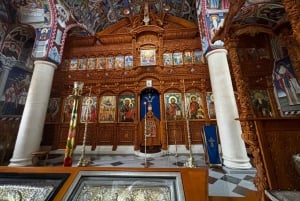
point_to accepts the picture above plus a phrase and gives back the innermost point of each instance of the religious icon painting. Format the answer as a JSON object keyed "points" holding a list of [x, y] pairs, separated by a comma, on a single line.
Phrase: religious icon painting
{"points": [[198, 56], [128, 61], [65, 65], [107, 109], [110, 62], [177, 58], [251, 54], [89, 109], [188, 57], [173, 107], [67, 109], [119, 62], [210, 105], [15, 92], [101, 63], [168, 61], [53, 110], [127, 105], [92, 63], [194, 106], [73, 64], [286, 86], [263, 53], [82, 64], [242, 55], [148, 57], [261, 103]]}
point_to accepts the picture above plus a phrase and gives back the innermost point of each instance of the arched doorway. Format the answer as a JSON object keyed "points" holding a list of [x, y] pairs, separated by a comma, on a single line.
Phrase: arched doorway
{"points": [[150, 135]]}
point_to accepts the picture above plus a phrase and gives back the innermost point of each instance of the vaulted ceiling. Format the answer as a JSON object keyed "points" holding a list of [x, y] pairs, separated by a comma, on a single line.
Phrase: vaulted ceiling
{"points": [[96, 15]]}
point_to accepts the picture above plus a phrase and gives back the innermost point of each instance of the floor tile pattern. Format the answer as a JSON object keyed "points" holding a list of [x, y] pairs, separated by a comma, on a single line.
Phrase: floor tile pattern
{"points": [[221, 182]]}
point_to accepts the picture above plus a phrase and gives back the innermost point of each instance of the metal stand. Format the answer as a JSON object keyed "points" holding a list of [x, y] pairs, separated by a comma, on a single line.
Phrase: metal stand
{"points": [[175, 140], [167, 136], [82, 161], [146, 164], [190, 163]]}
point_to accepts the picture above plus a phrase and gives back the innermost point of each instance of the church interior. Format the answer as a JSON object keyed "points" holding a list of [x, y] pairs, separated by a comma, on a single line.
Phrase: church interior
{"points": [[150, 100]]}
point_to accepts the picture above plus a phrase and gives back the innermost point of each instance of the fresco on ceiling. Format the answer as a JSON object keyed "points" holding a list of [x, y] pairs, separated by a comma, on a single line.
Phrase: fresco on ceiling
{"points": [[97, 15], [54, 55], [262, 1], [20, 35], [286, 87], [13, 99], [218, 4], [11, 49], [198, 6], [3, 13], [63, 15], [261, 14], [214, 22], [18, 44], [25, 55], [3, 29], [41, 42], [33, 11]]}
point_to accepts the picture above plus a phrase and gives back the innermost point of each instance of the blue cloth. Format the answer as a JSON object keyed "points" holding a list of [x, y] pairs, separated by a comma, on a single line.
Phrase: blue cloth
{"points": [[211, 145]]}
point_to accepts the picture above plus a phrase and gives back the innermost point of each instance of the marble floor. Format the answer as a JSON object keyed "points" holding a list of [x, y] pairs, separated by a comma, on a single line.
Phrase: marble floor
{"points": [[222, 181]]}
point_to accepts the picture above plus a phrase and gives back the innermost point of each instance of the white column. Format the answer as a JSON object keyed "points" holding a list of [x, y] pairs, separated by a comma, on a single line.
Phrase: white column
{"points": [[32, 123], [233, 147]]}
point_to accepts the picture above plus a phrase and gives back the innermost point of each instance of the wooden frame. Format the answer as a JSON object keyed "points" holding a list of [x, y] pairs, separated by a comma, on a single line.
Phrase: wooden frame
{"points": [[148, 57], [107, 109]]}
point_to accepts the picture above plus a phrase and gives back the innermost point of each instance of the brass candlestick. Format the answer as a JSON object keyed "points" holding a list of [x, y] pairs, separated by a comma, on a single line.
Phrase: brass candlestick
{"points": [[190, 163], [83, 162], [68, 159]]}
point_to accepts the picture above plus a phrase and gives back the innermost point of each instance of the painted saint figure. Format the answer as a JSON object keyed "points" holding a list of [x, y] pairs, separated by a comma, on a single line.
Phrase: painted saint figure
{"points": [[127, 111], [288, 84], [173, 109]]}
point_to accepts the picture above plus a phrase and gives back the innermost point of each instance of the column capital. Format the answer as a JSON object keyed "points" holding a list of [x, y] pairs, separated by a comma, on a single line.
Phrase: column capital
{"points": [[7, 62], [214, 51], [43, 63]]}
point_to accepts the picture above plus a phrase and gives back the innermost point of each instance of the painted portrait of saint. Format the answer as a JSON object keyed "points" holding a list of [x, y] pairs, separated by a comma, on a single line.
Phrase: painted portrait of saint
{"points": [[211, 105], [53, 110], [194, 106], [107, 109], [127, 105], [173, 108], [89, 109], [286, 86], [261, 103]]}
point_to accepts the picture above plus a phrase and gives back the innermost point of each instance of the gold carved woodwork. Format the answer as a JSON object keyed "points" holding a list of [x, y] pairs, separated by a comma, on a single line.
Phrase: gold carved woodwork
{"points": [[292, 10], [240, 82], [286, 39], [273, 101], [176, 35], [248, 127], [279, 140]]}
